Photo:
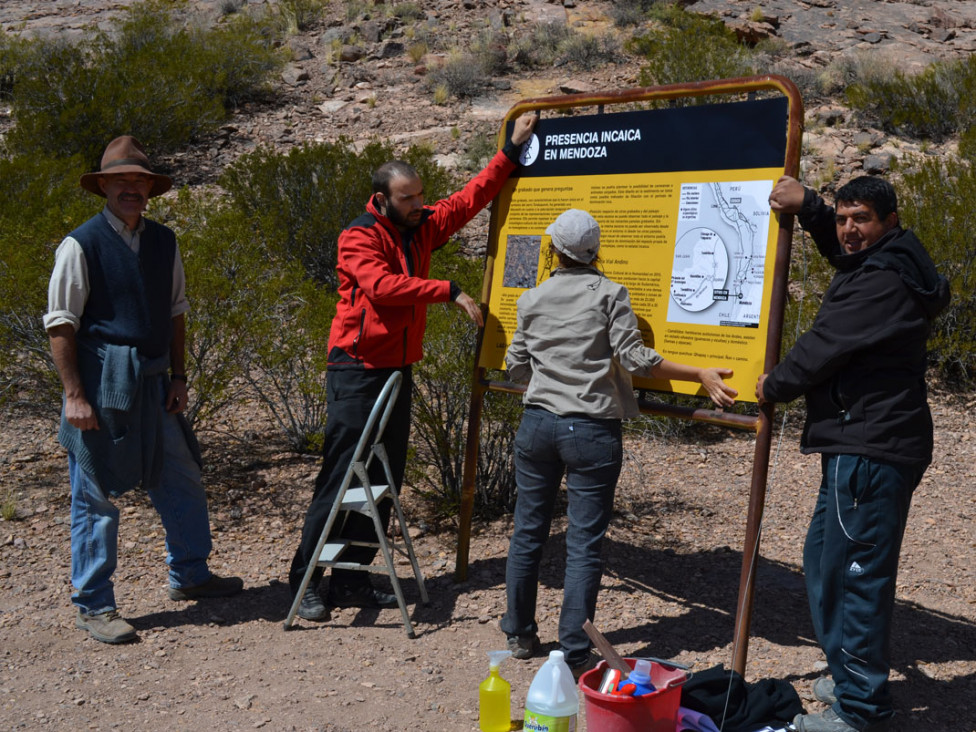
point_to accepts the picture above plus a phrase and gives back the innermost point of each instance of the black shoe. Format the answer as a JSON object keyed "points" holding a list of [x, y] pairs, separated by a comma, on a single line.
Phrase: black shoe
{"points": [[213, 587], [580, 666], [312, 607], [364, 596]]}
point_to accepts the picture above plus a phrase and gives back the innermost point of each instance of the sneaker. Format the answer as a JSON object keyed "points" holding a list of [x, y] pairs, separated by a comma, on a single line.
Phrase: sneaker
{"points": [[213, 587], [828, 721], [312, 607], [823, 690], [364, 596], [106, 627], [524, 646]]}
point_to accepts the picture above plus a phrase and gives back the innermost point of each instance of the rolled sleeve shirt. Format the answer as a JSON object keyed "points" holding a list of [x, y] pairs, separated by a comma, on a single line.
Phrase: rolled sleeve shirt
{"points": [[68, 289]]}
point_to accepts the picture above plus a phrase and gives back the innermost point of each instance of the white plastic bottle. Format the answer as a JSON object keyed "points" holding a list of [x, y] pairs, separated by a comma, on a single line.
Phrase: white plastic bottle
{"points": [[553, 702]]}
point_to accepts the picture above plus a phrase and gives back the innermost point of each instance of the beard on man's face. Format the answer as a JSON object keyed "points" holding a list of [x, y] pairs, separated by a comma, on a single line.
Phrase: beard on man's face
{"points": [[408, 222]]}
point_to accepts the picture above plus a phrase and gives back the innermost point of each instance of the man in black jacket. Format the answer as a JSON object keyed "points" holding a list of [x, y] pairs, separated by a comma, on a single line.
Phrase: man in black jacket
{"points": [[861, 367]]}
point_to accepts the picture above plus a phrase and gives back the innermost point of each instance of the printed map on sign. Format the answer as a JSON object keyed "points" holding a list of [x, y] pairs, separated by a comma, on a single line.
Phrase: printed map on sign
{"points": [[720, 253]]}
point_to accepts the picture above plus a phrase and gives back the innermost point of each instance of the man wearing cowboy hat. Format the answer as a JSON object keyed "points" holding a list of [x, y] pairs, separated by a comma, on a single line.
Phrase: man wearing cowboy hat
{"points": [[116, 308]]}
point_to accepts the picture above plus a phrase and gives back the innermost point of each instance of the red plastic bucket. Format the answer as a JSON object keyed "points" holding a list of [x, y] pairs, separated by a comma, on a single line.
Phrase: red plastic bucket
{"points": [[657, 712]]}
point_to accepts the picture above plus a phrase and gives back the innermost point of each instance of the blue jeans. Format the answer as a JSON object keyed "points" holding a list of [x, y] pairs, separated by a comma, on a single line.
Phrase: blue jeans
{"points": [[181, 503], [850, 562], [589, 452]]}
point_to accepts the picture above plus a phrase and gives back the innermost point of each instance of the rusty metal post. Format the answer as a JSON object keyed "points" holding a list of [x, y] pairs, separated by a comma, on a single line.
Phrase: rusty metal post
{"points": [[764, 437]]}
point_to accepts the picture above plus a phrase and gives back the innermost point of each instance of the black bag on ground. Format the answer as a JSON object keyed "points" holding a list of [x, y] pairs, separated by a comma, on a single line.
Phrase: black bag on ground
{"points": [[772, 702]]}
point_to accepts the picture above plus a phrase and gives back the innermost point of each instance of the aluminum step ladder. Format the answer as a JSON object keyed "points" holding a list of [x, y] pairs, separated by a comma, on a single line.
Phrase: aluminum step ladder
{"points": [[364, 499]]}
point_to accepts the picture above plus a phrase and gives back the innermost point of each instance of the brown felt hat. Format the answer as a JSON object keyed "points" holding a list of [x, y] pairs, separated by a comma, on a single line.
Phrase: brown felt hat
{"points": [[125, 155]]}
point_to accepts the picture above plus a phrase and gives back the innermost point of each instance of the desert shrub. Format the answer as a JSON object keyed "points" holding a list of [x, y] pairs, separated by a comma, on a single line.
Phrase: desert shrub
{"points": [[934, 104], [481, 146], [936, 199], [460, 73], [298, 15], [416, 51], [257, 323], [632, 12], [229, 7], [490, 50], [441, 402], [541, 46], [587, 52], [810, 274], [9, 55], [690, 47], [299, 202], [41, 203], [408, 11], [153, 77]]}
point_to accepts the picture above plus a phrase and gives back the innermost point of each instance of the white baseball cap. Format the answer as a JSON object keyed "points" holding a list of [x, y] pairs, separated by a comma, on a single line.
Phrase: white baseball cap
{"points": [[576, 234]]}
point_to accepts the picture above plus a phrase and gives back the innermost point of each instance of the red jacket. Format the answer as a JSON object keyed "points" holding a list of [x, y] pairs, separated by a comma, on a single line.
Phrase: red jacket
{"points": [[382, 312]]}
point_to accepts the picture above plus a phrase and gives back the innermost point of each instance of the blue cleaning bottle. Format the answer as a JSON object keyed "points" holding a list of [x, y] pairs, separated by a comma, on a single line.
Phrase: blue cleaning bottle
{"points": [[640, 677]]}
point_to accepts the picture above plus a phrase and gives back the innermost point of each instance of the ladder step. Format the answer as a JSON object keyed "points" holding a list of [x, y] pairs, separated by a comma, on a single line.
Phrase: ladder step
{"points": [[332, 550], [355, 498]]}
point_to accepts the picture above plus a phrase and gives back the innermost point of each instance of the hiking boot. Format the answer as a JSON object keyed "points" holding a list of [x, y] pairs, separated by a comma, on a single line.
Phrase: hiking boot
{"points": [[828, 721], [523, 646], [106, 627], [312, 607], [823, 690], [365, 596], [580, 667], [213, 587]]}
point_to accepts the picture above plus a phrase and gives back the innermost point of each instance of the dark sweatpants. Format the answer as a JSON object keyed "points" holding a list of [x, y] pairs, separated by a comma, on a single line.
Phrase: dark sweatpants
{"points": [[351, 393], [850, 561]]}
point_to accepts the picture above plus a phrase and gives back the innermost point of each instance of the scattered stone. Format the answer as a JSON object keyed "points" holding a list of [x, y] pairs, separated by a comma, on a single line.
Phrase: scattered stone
{"points": [[349, 54], [876, 164], [294, 75]]}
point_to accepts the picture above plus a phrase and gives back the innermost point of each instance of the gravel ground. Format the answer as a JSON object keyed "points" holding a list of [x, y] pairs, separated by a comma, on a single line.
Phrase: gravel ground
{"points": [[673, 559]]}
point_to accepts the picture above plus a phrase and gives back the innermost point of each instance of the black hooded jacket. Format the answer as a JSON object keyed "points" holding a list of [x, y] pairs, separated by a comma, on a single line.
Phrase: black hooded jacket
{"points": [[862, 363]]}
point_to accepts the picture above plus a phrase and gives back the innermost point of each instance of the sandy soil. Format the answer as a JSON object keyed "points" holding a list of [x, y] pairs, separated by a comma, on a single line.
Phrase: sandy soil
{"points": [[674, 548]]}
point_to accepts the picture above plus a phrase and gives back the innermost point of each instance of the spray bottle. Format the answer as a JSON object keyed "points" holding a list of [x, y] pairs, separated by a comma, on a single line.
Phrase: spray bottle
{"points": [[552, 703], [495, 697]]}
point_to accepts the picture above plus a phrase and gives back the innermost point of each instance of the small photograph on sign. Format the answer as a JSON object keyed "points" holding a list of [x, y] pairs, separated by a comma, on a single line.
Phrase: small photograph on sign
{"points": [[522, 261]]}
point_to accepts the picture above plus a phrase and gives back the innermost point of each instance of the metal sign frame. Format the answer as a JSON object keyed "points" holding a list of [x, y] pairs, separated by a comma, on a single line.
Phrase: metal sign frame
{"points": [[761, 424]]}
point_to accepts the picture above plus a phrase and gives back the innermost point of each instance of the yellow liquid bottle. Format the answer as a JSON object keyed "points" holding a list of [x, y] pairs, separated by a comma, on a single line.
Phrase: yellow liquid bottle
{"points": [[495, 697]]}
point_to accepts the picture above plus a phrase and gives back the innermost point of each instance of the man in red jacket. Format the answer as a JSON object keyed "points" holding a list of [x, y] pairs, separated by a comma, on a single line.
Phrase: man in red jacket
{"points": [[384, 260]]}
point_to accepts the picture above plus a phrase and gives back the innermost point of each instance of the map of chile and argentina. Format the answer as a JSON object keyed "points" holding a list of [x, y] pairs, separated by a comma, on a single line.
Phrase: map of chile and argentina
{"points": [[720, 253]]}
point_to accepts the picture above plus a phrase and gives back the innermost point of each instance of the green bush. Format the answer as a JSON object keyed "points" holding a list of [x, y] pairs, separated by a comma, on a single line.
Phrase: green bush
{"points": [[461, 73], [301, 201], [936, 199], [257, 325], [41, 203], [934, 104], [441, 403], [688, 48], [299, 15], [153, 77], [541, 46], [810, 275], [587, 52], [633, 12], [408, 11], [490, 50]]}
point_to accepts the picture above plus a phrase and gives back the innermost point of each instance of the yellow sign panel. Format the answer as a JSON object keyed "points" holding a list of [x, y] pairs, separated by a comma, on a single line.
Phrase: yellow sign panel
{"points": [[695, 247]]}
